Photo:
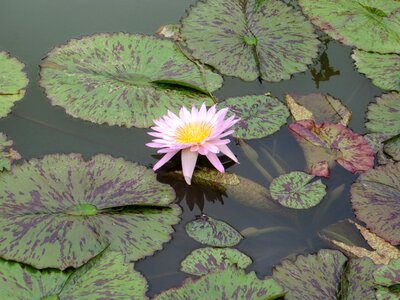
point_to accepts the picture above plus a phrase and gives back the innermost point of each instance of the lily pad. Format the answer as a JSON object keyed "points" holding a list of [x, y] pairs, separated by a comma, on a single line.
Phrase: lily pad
{"points": [[7, 155], [125, 80], [370, 25], [382, 69], [318, 107], [60, 211], [388, 277], [260, 115], [325, 143], [248, 39], [212, 232], [230, 283], [204, 260], [392, 147], [376, 141], [107, 276], [294, 190], [12, 82], [375, 199]]}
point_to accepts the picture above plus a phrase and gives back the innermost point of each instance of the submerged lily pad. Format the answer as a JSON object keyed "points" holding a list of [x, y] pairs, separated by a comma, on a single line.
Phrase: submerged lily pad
{"points": [[375, 199], [294, 190], [260, 115], [107, 276], [230, 283], [325, 143], [12, 82], [204, 260], [248, 39], [7, 155], [212, 232], [125, 80], [371, 25], [382, 69], [384, 115], [392, 147], [60, 211]]}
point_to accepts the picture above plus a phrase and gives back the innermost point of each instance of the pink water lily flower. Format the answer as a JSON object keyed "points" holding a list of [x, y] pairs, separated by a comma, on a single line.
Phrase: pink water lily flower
{"points": [[196, 132]]}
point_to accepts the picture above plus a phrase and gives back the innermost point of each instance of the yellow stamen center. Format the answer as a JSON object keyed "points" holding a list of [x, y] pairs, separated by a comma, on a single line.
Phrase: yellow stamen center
{"points": [[193, 133]]}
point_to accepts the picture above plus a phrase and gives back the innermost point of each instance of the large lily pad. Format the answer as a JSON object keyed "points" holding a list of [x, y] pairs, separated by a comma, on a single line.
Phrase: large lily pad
{"points": [[7, 155], [107, 276], [123, 79], [371, 25], [260, 115], [204, 260], [375, 199], [12, 82], [294, 190], [383, 69], [248, 39], [212, 232], [384, 115], [61, 211], [230, 283], [325, 143]]}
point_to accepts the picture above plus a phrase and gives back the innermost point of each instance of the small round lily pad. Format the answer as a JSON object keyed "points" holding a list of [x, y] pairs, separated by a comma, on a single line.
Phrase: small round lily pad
{"points": [[384, 115]]}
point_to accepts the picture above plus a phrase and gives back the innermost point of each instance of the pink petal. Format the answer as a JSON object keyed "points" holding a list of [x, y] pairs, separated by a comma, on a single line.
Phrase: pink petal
{"points": [[225, 150], [213, 158], [163, 160], [189, 160]]}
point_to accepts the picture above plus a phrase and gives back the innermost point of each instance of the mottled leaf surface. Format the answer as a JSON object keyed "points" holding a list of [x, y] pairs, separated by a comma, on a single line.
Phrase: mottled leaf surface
{"points": [[248, 39], [375, 140], [392, 147], [60, 211], [7, 155], [260, 115], [123, 79], [384, 115], [371, 25], [212, 232], [204, 260], [230, 283], [294, 190], [382, 69], [389, 274], [375, 199], [12, 82]]}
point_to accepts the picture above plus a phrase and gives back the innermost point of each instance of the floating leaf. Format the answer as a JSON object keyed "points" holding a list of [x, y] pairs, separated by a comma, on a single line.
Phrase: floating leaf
{"points": [[375, 199], [371, 25], [12, 82], [170, 31], [384, 115], [294, 190], [123, 79], [375, 140], [260, 115], [383, 69], [7, 155], [61, 211], [383, 293], [204, 260], [230, 283], [322, 144], [389, 274], [392, 147], [247, 39], [318, 107], [212, 232], [107, 276]]}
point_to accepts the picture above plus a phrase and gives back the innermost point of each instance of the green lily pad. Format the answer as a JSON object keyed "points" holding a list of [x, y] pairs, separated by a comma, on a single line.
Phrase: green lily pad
{"points": [[230, 283], [248, 39], [294, 190], [204, 260], [12, 82], [7, 155], [107, 276], [375, 199], [383, 293], [212, 232], [370, 25], [260, 115], [392, 147], [388, 279], [384, 115], [382, 69], [125, 80], [60, 211]]}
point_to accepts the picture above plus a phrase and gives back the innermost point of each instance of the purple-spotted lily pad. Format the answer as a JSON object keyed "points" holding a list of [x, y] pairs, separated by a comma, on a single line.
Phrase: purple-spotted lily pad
{"points": [[260, 115], [125, 80], [325, 143], [229, 283], [12, 82], [7, 155], [212, 232], [107, 276], [384, 115], [318, 107], [375, 199], [392, 147], [60, 211], [204, 260], [376, 142], [248, 39], [371, 25], [388, 279], [294, 190]]}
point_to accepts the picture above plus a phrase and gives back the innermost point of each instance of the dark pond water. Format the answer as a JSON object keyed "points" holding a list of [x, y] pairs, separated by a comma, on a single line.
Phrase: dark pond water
{"points": [[29, 29]]}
